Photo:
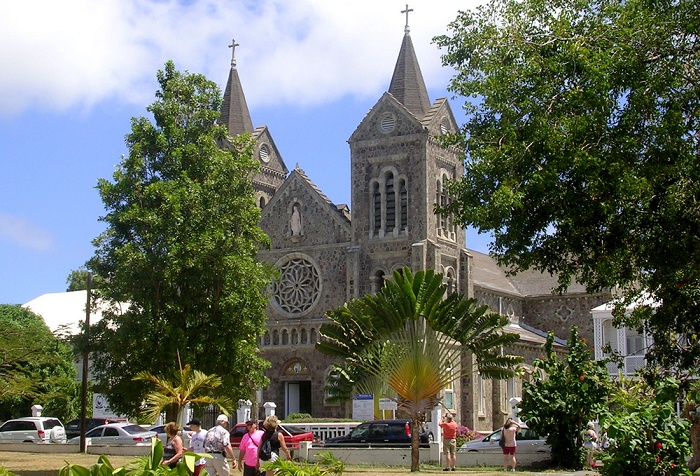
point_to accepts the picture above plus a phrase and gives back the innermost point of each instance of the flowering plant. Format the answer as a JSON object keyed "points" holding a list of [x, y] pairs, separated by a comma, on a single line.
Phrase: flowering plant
{"points": [[465, 434]]}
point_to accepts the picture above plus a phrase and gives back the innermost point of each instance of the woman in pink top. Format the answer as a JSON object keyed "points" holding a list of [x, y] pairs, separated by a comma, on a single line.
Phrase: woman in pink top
{"points": [[248, 455], [510, 429]]}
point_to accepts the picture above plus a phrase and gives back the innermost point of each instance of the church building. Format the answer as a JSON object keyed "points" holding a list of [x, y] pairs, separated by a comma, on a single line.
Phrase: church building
{"points": [[327, 253]]}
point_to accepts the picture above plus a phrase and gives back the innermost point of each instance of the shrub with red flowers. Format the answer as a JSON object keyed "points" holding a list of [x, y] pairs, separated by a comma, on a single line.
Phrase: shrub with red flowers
{"points": [[646, 436], [465, 434]]}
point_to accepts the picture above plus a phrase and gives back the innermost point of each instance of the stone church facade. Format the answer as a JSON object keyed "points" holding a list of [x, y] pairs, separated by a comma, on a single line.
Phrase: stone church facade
{"points": [[326, 256]]}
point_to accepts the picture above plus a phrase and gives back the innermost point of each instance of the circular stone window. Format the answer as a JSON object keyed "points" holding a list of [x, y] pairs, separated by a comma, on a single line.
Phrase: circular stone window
{"points": [[264, 153], [387, 122], [298, 288]]}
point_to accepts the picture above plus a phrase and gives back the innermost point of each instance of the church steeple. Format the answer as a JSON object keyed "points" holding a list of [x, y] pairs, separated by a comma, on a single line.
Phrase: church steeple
{"points": [[407, 84], [234, 111]]}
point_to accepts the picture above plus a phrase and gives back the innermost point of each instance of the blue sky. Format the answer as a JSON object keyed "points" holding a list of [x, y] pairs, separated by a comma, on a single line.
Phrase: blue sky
{"points": [[76, 71]]}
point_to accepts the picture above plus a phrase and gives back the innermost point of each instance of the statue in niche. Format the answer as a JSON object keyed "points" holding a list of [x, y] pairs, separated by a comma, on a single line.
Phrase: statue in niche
{"points": [[295, 221]]}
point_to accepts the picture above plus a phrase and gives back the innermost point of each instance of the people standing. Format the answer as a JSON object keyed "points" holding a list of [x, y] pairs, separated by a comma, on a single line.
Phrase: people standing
{"points": [[590, 442], [248, 461], [509, 432], [173, 449], [218, 444], [449, 441], [197, 443], [276, 440]]}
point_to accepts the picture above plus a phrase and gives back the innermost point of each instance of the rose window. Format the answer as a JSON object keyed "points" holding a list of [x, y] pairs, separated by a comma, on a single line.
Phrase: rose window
{"points": [[298, 287]]}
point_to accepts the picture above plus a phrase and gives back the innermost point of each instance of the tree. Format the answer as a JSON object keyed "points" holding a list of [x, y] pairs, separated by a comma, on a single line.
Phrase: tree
{"points": [[77, 280], [582, 149], [178, 257], [186, 387], [35, 367], [573, 392], [416, 341]]}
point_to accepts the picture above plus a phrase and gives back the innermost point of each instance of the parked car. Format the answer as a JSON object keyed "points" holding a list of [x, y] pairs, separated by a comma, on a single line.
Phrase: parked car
{"points": [[528, 442], [118, 434], [73, 426], [293, 435], [185, 433], [33, 430], [380, 433]]}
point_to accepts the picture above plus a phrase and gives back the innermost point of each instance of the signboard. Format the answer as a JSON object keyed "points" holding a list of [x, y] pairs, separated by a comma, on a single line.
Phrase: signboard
{"points": [[387, 404], [363, 406], [100, 407]]}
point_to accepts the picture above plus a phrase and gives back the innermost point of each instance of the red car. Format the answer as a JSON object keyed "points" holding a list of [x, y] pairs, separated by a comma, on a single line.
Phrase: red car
{"points": [[293, 435]]}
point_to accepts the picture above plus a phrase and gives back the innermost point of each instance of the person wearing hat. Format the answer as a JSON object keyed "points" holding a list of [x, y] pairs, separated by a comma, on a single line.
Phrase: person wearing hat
{"points": [[218, 444], [248, 454], [449, 441], [197, 443]]}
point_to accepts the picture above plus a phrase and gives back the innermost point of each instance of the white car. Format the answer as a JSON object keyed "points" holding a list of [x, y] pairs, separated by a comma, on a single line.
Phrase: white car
{"points": [[528, 442], [33, 430], [118, 434], [185, 434]]}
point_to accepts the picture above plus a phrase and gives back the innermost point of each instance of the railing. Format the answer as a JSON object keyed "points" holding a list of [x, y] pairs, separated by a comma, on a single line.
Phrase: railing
{"points": [[631, 364], [323, 431]]}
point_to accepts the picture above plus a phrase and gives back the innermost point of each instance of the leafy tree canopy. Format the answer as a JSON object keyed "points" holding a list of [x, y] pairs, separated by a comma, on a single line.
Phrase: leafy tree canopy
{"points": [[35, 367], [582, 148], [573, 392], [180, 249]]}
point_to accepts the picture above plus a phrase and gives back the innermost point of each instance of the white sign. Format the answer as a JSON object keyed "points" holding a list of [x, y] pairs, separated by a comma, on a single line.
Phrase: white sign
{"points": [[387, 404], [363, 407], [100, 407]]}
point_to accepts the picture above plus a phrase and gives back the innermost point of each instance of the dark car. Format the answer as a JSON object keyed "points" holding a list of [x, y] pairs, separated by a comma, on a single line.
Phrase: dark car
{"points": [[73, 426], [379, 433]]}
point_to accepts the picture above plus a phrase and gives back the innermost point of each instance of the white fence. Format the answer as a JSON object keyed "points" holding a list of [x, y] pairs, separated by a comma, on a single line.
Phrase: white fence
{"points": [[323, 431]]}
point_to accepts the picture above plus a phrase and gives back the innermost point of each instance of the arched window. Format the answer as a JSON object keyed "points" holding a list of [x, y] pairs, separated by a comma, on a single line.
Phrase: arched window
{"points": [[388, 204], [312, 336], [376, 209], [295, 337], [285, 337], [403, 202], [377, 281], [266, 339], [262, 202], [275, 337], [304, 337]]}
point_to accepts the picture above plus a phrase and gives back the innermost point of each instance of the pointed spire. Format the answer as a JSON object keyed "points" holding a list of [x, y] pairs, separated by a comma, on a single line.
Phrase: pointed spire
{"points": [[407, 84], [234, 111]]}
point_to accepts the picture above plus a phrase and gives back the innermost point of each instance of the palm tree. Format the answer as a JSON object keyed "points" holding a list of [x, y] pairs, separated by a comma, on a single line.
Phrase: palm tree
{"points": [[186, 387], [416, 341]]}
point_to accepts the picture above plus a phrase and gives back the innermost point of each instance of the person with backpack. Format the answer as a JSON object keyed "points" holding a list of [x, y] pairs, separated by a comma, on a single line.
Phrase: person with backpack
{"points": [[218, 444], [248, 460], [271, 443]]}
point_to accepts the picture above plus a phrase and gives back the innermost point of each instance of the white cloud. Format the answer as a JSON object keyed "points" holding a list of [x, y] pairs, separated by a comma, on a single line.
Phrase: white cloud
{"points": [[19, 231], [76, 53]]}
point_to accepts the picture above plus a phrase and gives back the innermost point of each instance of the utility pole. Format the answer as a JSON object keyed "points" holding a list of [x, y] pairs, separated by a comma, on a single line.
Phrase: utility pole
{"points": [[86, 355]]}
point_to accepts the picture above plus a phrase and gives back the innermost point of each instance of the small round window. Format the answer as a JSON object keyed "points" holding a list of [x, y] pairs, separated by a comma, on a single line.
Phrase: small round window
{"points": [[264, 153], [387, 122]]}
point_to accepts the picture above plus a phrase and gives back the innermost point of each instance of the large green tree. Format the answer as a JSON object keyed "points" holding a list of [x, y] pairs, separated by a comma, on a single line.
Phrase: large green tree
{"points": [[178, 256], [35, 367], [413, 340], [573, 391], [582, 149]]}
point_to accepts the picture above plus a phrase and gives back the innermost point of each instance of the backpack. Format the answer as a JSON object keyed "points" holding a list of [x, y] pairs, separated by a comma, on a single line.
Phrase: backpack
{"points": [[265, 450]]}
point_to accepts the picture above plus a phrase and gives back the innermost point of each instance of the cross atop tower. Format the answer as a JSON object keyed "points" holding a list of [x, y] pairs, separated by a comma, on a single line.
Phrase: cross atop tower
{"points": [[233, 51], [407, 29]]}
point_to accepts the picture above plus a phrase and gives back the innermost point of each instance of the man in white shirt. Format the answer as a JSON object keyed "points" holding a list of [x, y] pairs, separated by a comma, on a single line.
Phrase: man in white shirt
{"points": [[197, 443]]}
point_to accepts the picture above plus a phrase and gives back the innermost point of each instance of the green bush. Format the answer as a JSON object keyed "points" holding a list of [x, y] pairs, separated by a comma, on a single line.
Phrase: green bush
{"points": [[646, 436]]}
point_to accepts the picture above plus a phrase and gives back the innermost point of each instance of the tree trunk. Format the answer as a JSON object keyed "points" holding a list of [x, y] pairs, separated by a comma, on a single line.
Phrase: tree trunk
{"points": [[693, 415], [415, 444]]}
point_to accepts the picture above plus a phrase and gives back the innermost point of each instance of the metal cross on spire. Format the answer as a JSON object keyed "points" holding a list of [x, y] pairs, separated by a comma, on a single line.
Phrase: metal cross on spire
{"points": [[233, 52], [407, 29]]}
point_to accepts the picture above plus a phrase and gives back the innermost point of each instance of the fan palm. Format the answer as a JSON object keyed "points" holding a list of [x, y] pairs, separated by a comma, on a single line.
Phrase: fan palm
{"points": [[416, 341], [187, 386]]}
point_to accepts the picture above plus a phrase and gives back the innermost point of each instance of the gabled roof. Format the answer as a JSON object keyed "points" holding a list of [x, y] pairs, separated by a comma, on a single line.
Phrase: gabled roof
{"points": [[234, 111], [488, 275], [63, 312], [341, 213], [407, 84]]}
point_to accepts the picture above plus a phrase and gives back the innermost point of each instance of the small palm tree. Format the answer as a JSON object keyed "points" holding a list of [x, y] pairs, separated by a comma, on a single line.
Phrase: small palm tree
{"points": [[415, 340], [186, 387]]}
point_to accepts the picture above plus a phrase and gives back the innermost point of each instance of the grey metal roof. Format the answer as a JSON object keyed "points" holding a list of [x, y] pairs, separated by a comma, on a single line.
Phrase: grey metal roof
{"points": [[488, 275], [407, 84], [234, 111]]}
